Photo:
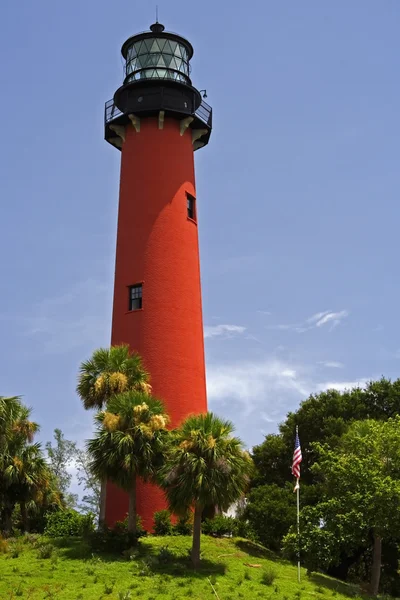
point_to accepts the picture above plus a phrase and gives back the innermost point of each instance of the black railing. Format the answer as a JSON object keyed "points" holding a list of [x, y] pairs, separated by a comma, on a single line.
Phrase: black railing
{"points": [[111, 112], [204, 113]]}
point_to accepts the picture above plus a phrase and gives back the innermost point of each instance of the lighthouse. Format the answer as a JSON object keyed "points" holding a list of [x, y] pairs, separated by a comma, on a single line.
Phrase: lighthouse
{"points": [[157, 120]]}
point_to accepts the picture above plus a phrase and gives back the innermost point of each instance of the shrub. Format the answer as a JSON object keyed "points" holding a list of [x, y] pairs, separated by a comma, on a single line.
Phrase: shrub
{"points": [[65, 523], [184, 526], [245, 530], [220, 526], [4, 545], [45, 551], [268, 577], [165, 556], [108, 588], [116, 540], [162, 523], [15, 549], [31, 539]]}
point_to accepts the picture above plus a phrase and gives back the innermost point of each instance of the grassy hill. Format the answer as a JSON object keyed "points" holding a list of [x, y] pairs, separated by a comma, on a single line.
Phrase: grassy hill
{"points": [[159, 569]]}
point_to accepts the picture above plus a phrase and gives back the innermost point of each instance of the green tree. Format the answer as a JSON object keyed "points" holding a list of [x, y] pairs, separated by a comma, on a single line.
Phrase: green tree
{"points": [[323, 418], [205, 465], [91, 486], [271, 511], [129, 443], [360, 495], [60, 457], [28, 481], [110, 371], [25, 478], [16, 432]]}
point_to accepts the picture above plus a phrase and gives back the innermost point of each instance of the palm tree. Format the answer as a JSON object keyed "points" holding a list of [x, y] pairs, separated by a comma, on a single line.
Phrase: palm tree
{"points": [[205, 465], [28, 479], [129, 443], [16, 431], [108, 372]]}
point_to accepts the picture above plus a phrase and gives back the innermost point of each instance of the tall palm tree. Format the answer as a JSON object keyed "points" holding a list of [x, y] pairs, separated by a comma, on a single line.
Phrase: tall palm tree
{"points": [[110, 371], [205, 465], [16, 431], [129, 443], [28, 478]]}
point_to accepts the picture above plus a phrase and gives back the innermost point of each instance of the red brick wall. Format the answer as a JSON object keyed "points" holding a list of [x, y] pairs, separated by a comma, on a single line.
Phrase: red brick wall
{"points": [[158, 245]]}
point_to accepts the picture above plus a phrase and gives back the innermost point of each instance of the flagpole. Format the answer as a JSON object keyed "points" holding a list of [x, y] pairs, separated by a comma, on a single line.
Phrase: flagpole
{"points": [[298, 530], [297, 458]]}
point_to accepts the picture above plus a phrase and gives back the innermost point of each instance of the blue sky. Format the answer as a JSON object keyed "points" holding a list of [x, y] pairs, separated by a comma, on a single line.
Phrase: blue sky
{"points": [[297, 197]]}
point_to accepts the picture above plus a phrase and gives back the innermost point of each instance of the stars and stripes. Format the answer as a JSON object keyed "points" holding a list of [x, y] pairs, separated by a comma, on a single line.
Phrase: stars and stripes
{"points": [[297, 458]]}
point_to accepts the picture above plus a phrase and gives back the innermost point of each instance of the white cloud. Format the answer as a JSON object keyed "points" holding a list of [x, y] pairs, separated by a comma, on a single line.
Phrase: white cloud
{"points": [[222, 330], [333, 317], [341, 386], [261, 392], [331, 364], [317, 317], [317, 320], [267, 383]]}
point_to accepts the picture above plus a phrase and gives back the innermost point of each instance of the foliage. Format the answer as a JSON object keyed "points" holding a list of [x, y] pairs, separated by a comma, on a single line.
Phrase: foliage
{"points": [[68, 523], [162, 523], [361, 494], [91, 485], [116, 540], [271, 510], [220, 526], [108, 372], [60, 457], [223, 563], [25, 479], [184, 525], [129, 442], [322, 418], [165, 555], [45, 550], [205, 465], [268, 576], [4, 545]]}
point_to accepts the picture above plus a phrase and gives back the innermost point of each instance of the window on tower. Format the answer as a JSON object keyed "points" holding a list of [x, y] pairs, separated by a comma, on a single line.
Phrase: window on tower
{"points": [[135, 297], [191, 208]]}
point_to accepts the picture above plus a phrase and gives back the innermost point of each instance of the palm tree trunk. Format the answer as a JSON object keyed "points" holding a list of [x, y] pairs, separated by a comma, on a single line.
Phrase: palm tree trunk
{"points": [[195, 555], [132, 507], [24, 517], [8, 511], [102, 511], [376, 564]]}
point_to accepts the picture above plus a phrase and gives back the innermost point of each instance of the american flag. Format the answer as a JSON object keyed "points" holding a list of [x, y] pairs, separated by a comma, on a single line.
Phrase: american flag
{"points": [[297, 458]]}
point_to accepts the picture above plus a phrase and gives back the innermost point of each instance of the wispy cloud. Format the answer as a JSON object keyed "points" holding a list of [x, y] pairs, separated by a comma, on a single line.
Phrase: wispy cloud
{"points": [[318, 320], [265, 390], [331, 364], [251, 384], [223, 330], [328, 317]]}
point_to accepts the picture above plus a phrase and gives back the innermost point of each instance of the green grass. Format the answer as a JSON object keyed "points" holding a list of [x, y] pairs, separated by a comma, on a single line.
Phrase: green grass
{"points": [[159, 569]]}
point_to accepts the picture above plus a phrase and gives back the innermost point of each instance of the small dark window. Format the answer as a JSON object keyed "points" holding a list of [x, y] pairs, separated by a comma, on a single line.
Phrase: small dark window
{"points": [[191, 212], [135, 297]]}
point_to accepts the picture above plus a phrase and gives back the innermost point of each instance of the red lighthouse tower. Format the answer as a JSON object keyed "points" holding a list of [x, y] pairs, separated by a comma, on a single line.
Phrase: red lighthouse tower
{"points": [[158, 119]]}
